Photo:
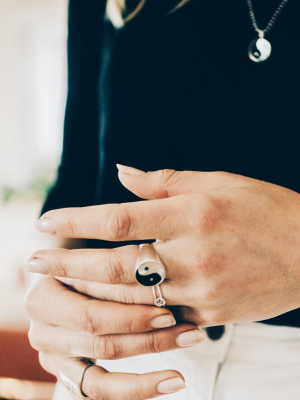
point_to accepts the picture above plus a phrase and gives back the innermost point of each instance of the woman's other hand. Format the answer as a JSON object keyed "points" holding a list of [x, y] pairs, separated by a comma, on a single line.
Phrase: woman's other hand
{"points": [[68, 325]]}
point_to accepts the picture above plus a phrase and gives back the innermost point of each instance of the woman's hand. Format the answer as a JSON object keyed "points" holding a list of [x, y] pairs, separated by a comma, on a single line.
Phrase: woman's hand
{"points": [[230, 245], [66, 325], [99, 385]]}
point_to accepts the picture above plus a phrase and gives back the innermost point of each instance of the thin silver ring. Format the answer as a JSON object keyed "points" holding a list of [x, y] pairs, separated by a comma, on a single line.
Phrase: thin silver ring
{"points": [[72, 374]]}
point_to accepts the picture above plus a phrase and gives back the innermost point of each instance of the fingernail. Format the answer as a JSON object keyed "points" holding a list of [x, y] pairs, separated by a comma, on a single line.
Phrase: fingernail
{"points": [[46, 225], [171, 386], [66, 281], [36, 265], [190, 338], [129, 170], [163, 321]]}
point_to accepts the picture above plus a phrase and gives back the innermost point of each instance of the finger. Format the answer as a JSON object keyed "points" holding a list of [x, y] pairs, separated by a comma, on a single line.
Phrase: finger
{"points": [[55, 339], [112, 266], [168, 183], [51, 302], [126, 294], [157, 219], [98, 384]]}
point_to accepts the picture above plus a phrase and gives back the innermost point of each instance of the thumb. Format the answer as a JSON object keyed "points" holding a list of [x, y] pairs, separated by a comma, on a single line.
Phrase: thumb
{"points": [[167, 182]]}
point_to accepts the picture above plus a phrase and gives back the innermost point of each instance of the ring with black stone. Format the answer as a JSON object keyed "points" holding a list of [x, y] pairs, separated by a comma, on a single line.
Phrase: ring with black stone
{"points": [[150, 271]]}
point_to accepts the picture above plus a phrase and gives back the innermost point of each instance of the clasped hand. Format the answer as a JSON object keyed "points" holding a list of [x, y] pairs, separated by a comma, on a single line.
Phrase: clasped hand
{"points": [[230, 246]]}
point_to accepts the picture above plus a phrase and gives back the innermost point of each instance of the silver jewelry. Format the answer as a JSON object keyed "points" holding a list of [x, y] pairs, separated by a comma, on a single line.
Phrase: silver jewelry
{"points": [[150, 271], [260, 49], [72, 375]]}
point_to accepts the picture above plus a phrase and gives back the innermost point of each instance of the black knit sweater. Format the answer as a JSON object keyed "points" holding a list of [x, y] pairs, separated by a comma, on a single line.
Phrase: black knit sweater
{"points": [[179, 92]]}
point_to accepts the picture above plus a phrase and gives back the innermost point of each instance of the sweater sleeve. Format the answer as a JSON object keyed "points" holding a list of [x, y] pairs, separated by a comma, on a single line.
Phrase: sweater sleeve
{"points": [[76, 178]]}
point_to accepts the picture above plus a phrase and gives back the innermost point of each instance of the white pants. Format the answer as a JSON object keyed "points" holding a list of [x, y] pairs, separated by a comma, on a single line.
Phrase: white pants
{"points": [[250, 362]]}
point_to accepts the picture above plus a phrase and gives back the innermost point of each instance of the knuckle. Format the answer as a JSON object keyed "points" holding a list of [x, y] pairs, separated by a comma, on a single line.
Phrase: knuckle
{"points": [[114, 270], [60, 265], [133, 325], [195, 263], [36, 298], [83, 321], [139, 392], [167, 175], [118, 224], [152, 344], [204, 264], [205, 216], [208, 218], [72, 226], [105, 348], [124, 295]]}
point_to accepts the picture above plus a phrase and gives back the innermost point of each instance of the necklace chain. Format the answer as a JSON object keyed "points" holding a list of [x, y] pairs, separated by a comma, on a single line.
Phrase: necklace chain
{"points": [[272, 21]]}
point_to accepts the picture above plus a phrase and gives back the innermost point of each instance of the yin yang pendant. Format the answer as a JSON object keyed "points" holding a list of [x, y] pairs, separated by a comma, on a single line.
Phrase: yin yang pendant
{"points": [[149, 270], [259, 50]]}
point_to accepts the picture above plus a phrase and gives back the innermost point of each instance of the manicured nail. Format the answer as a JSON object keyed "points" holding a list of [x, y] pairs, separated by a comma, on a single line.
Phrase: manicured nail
{"points": [[36, 265], [129, 170], [163, 321], [171, 385], [67, 281], [46, 225], [190, 338]]}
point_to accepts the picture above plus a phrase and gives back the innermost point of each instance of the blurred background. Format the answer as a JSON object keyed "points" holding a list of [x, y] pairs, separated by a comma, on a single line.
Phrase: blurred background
{"points": [[32, 100]]}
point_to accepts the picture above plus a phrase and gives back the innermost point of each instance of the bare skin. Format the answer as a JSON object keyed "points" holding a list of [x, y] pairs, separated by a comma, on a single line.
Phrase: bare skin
{"points": [[230, 245]]}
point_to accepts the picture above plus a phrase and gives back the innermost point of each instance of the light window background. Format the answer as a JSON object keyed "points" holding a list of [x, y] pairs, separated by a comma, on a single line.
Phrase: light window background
{"points": [[32, 101]]}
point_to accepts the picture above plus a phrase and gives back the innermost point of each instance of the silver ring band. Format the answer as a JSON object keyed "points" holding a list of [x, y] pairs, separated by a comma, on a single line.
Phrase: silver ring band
{"points": [[72, 374]]}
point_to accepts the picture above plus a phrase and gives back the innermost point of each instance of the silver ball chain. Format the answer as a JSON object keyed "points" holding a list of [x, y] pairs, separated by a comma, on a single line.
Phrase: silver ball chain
{"points": [[262, 32]]}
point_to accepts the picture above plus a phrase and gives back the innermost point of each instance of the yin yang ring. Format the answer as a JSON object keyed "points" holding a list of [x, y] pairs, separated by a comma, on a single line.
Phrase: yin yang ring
{"points": [[150, 272]]}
